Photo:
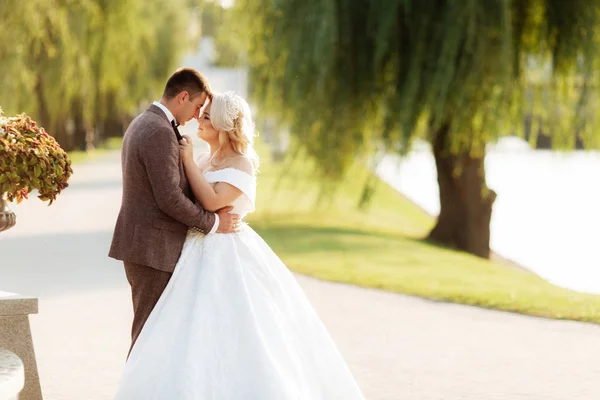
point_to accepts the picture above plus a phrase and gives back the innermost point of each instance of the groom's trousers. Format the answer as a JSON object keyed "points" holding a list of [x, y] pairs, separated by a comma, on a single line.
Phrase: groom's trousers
{"points": [[147, 285]]}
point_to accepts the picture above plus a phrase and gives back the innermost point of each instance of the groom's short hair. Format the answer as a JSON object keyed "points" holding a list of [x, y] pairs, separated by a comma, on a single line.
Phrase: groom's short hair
{"points": [[187, 79]]}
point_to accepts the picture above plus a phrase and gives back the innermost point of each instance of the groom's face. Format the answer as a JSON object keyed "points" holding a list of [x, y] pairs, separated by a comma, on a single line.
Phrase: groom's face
{"points": [[190, 106]]}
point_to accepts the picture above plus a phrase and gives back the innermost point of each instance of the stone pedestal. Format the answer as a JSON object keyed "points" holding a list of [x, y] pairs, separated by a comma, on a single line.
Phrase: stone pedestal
{"points": [[12, 375], [15, 336], [8, 219]]}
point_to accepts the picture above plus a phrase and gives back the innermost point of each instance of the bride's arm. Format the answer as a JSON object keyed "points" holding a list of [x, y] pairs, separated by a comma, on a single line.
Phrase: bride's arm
{"points": [[211, 199]]}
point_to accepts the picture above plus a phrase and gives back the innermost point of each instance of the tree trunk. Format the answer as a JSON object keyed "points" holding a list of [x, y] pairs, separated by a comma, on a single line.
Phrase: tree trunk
{"points": [[465, 200], [55, 126], [79, 131], [113, 126], [113, 123], [42, 106], [83, 134], [63, 136]]}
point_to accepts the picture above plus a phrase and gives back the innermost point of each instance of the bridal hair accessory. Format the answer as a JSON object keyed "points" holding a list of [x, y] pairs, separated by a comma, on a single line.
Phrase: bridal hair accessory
{"points": [[230, 112], [225, 111], [232, 105]]}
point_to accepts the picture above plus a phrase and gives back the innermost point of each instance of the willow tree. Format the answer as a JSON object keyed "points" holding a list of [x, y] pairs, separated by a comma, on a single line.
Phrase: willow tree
{"points": [[82, 67], [353, 77]]}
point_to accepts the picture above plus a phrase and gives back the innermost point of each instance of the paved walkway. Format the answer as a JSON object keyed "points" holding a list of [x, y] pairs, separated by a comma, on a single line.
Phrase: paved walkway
{"points": [[398, 347]]}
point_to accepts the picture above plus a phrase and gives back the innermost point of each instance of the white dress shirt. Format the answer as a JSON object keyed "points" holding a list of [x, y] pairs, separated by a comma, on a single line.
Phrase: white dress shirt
{"points": [[170, 116]]}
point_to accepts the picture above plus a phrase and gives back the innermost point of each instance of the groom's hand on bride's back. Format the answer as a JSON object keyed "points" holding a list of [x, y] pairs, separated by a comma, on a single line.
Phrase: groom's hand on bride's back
{"points": [[228, 223]]}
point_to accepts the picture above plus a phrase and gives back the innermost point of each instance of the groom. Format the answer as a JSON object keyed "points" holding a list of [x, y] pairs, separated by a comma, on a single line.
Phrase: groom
{"points": [[157, 205]]}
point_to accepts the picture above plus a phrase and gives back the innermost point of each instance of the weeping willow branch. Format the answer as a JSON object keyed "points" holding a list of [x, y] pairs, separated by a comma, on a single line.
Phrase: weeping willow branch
{"points": [[347, 75]]}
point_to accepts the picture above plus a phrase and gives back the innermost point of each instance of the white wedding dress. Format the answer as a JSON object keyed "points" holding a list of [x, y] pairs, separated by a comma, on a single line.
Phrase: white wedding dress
{"points": [[233, 324]]}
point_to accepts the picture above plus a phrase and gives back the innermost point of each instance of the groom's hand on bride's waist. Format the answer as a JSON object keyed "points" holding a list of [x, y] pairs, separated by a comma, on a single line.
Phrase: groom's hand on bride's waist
{"points": [[228, 223]]}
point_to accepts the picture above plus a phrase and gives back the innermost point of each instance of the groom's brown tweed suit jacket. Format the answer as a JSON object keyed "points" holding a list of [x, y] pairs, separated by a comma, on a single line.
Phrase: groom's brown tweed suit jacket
{"points": [[156, 208], [156, 211]]}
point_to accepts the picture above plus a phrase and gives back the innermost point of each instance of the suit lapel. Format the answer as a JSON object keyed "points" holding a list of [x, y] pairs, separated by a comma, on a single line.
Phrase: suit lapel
{"points": [[154, 109]]}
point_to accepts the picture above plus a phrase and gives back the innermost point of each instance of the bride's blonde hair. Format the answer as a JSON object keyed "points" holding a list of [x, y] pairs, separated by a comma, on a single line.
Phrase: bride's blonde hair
{"points": [[230, 114]]}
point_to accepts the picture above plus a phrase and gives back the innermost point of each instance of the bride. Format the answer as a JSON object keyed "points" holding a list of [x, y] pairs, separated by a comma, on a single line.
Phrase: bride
{"points": [[232, 324]]}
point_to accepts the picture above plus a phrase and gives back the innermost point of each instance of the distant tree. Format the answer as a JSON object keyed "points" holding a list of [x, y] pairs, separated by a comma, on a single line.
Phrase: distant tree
{"points": [[82, 67], [353, 77]]}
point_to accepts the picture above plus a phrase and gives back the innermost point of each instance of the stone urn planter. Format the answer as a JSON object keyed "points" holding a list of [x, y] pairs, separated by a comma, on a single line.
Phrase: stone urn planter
{"points": [[30, 160], [8, 219]]}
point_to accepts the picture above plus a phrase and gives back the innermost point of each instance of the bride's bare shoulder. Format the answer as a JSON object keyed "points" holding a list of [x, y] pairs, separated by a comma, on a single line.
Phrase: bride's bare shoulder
{"points": [[242, 163]]}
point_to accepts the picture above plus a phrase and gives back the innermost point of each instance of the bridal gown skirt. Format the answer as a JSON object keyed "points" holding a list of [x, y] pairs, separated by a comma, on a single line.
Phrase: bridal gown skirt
{"points": [[233, 324]]}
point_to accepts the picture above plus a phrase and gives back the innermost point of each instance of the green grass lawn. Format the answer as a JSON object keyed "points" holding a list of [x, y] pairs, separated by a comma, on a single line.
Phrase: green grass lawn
{"points": [[79, 156], [382, 248]]}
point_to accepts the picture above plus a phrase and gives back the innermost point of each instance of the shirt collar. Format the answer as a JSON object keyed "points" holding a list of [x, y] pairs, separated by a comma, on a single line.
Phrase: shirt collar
{"points": [[168, 113]]}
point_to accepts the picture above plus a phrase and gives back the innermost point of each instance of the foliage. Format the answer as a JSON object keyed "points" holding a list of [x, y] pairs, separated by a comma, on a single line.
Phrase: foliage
{"points": [[30, 159], [82, 67], [353, 77], [229, 37]]}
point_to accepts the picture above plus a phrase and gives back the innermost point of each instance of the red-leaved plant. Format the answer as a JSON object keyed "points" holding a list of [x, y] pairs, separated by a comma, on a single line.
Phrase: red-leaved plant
{"points": [[30, 159]]}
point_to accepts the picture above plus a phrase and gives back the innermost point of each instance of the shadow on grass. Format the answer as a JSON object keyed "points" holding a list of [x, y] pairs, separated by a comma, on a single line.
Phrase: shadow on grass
{"points": [[301, 239]]}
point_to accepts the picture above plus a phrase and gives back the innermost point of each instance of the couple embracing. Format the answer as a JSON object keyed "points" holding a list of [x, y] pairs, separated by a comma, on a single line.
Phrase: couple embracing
{"points": [[217, 315]]}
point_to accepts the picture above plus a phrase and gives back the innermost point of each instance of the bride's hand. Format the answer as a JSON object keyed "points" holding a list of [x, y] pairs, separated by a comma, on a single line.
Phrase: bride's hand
{"points": [[186, 148]]}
